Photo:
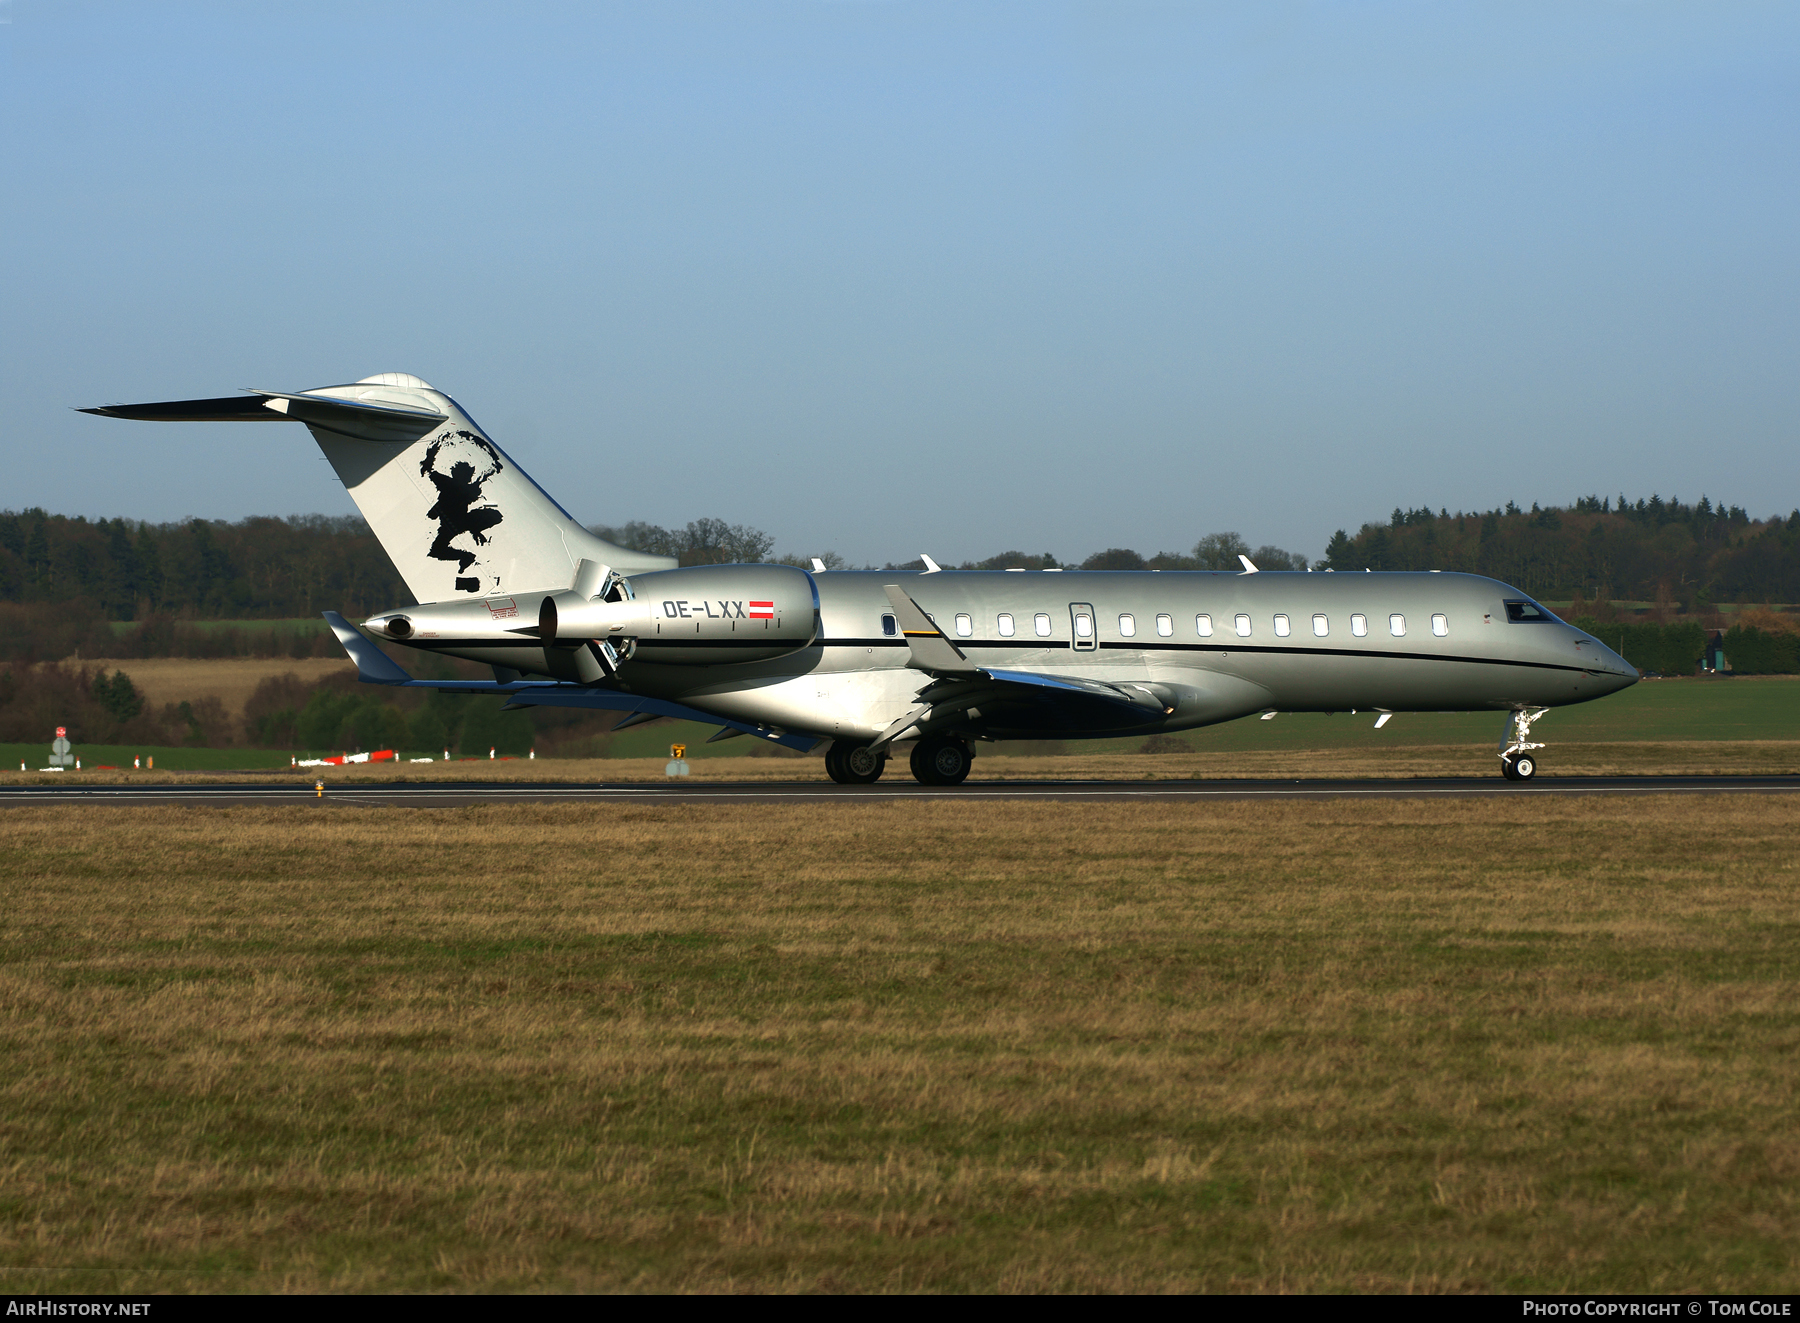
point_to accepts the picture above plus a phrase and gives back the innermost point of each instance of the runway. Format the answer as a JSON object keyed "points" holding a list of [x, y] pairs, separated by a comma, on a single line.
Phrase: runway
{"points": [[414, 795]]}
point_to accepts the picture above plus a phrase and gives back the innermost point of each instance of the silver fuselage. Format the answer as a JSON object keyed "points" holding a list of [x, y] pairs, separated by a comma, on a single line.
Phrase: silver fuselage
{"points": [[855, 680]]}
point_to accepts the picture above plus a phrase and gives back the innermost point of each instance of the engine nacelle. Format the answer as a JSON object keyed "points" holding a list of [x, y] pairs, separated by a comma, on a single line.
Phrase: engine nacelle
{"points": [[699, 616], [708, 614]]}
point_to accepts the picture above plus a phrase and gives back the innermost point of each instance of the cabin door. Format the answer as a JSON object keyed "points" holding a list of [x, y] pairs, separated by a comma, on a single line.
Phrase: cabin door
{"points": [[1081, 626]]}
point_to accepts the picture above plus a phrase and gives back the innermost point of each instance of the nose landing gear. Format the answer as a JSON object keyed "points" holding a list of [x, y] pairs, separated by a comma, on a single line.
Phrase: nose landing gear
{"points": [[1516, 760]]}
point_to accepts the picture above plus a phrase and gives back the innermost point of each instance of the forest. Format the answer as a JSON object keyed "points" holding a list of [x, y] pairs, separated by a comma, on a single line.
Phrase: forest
{"points": [[1597, 551]]}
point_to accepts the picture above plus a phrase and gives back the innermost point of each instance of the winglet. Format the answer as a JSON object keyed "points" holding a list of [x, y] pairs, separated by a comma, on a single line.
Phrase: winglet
{"points": [[373, 666], [931, 651], [1248, 567]]}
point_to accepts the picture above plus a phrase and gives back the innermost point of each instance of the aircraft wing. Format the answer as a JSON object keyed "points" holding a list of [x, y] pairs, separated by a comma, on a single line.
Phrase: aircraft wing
{"points": [[963, 693], [1137, 697], [1011, 700]]}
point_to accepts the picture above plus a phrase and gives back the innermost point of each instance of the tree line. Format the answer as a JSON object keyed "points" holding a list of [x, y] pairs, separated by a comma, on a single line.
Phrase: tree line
{"points": [[259, 568], [714, 542], [1680, 556], [1765, 647]]}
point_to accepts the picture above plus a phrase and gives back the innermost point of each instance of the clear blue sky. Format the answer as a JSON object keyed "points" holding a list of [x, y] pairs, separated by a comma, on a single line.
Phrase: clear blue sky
{"points": [[894, 277]]}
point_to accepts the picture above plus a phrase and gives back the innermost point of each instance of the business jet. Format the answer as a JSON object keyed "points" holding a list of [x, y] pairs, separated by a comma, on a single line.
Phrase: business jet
{"points": [[868, 664]]}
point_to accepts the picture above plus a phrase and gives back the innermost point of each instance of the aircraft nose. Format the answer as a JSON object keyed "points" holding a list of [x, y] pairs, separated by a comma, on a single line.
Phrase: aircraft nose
{"points": [[1610, 667]]}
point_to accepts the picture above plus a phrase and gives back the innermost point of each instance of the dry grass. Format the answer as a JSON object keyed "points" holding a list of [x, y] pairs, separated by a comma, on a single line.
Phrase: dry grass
{"points": [[909, 1045], [229, 679]]}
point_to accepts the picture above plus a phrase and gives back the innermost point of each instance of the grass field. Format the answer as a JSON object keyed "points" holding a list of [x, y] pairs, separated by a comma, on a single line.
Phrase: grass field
{"points": [[230, 679], [1301, 1047], [1752, 708], [95, 757]]}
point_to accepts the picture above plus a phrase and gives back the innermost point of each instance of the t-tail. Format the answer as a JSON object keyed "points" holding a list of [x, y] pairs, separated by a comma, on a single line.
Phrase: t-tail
{"points": [[455, 514]]}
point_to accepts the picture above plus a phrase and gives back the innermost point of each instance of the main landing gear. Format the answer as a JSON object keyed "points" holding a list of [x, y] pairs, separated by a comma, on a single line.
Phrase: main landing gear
{"points": [[941, 762], [1517, 762], [852, 764]]}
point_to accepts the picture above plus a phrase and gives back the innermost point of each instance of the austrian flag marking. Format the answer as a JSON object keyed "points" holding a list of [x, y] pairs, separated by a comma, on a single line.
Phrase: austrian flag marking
{"points": [[762, 610]]}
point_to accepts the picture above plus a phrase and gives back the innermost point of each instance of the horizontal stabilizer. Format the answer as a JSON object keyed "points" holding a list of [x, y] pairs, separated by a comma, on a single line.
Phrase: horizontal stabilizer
{"points": [[232, 409], [373, 666], [364, 420]]}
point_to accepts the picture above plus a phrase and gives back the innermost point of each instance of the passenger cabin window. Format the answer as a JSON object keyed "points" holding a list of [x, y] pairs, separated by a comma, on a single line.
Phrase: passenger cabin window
{"points": [[1127, 626], [1281, 627], [1321, 626], [1397, 626], [965, 625], [1359, 624], [1004, 623], [1084, 625], [1440, 625], [1243, 625], [1528, 613], [1203, 626], [1041, 623], [1165, 625], [888, 627]]}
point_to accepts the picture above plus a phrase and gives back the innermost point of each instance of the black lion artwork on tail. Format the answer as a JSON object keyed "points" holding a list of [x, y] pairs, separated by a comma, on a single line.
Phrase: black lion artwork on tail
{"points": [[456, 512]]}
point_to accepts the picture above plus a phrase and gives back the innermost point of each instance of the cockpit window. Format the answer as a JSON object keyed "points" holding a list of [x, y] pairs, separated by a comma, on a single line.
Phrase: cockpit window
{"points": [[1528, 613]]}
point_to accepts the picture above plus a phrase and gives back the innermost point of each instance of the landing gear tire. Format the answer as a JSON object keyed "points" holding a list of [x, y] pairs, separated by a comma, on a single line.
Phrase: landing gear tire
{"points": [[852, 764], [862, 765], [1520, 767], [941, 762]]}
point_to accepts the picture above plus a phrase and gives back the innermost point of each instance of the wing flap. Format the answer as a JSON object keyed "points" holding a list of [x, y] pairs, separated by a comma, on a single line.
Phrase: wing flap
{"points": [[1139, 697]]}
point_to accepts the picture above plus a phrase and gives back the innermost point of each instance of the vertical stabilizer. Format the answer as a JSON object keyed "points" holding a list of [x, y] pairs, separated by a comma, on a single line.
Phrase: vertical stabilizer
{"points": [[452, 510]]}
